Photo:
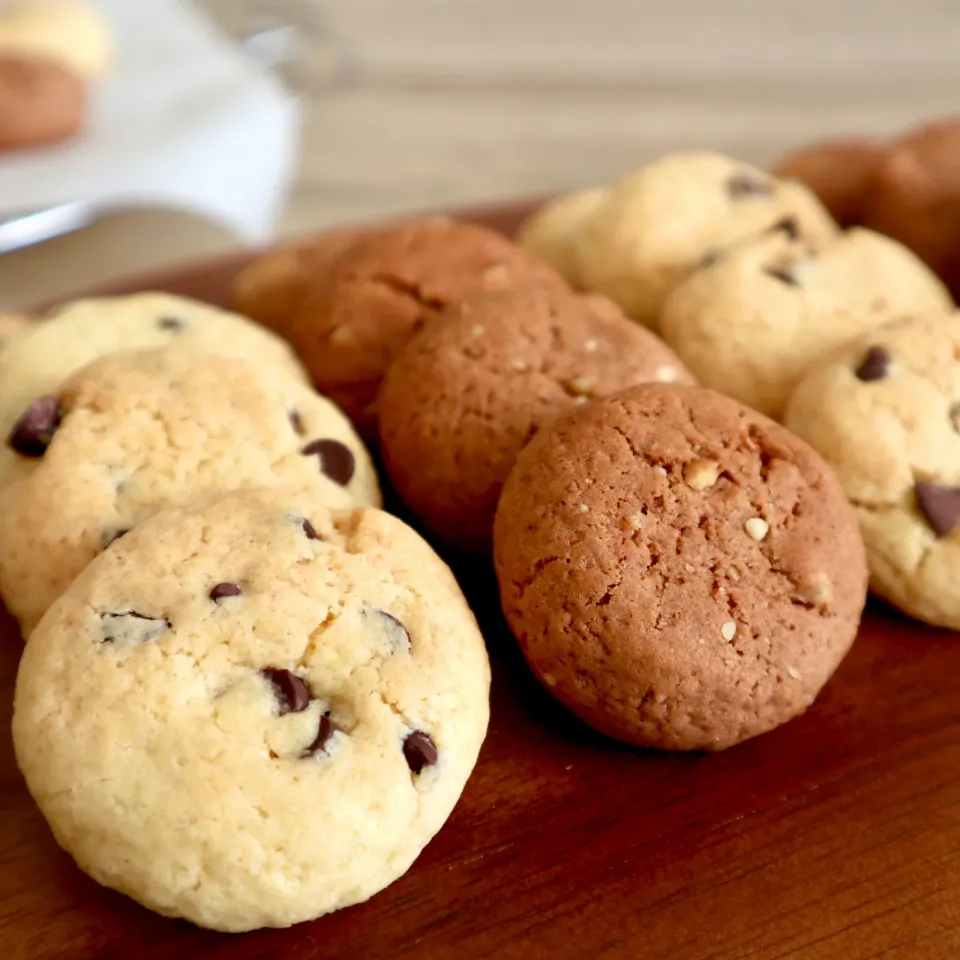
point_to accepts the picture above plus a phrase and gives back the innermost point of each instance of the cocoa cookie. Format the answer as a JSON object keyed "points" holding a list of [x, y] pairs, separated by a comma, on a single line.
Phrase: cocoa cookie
{"points": [[915, 197], [40, 102], [885, 413], [385, 288], [680, 571], [467, 394], [837, 171]]}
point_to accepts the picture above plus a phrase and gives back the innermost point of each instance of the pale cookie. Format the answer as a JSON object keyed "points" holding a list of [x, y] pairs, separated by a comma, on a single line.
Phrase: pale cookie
{"points": [[551, 233], [885, 413], [680, 571], [140, 431], [467, 394], [753, 320], [84, 330], [72, 33], [41, 102], [658, 224], [253, 712]]}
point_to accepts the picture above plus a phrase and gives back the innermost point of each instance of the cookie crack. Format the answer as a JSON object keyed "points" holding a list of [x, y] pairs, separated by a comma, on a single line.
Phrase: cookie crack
{"points": [[410, 291]]}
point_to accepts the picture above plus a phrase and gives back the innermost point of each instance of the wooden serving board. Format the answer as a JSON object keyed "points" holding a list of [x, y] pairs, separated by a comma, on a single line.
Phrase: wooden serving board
{"points": [[836, 837]]}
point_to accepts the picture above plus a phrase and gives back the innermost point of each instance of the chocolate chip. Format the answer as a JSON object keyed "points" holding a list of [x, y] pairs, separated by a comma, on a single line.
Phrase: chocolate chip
{"points": [[225, 590], [940, 505], [875, 365], [170, 323], [292, 692], [336, 459], [326, 729], [396, 631], [132, 627], [32, 433], [113, 537], [782, 274], [419, 751], [748, 185], [309, 531], [296, 421], [788, 225]]}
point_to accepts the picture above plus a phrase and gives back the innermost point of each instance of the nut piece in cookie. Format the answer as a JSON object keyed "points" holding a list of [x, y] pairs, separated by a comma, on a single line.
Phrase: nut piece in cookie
{"points": [[884, 411], [40, 102], [323, 720], [385, 288], [466, 395], [671, 614], [753, 321], [656, 225]]}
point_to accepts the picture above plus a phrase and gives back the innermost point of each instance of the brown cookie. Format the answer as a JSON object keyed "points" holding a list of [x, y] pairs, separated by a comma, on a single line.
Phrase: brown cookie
{"points": [[915, 197], [40, 102], [467, 394], [680, 571], [837, 171], [273, 287], [382, 290]]}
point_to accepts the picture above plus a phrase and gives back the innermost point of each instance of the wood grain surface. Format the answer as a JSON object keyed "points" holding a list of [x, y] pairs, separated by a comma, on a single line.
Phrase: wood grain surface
{"points": [[836, 837]]}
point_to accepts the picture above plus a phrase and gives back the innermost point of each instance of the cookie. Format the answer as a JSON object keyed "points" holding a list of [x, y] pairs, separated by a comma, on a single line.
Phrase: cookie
{"points": [[12, 325], [382, 290], [71, 33], [839, 172], [551, 233], [751, 322], [253, 712], [915, 197], [274, 286], [657, 224], [467, 394], [84, 330], [884, 411], [140, 431], [40, 102], [680, 571]]}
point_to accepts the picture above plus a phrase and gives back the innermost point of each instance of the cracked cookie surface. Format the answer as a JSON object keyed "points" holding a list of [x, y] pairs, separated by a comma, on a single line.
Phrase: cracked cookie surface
{"points": [[680, 571], [885, 413], [264, 753], [385, 288], [139, 431], [470, 391]]}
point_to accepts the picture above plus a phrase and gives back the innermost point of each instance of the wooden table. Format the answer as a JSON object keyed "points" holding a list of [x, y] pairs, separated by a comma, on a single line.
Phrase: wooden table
{"points": [[450, 103]]}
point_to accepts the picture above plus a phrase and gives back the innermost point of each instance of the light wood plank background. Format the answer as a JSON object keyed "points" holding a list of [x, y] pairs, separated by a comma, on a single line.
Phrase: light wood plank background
{"points": [[451, 101]]}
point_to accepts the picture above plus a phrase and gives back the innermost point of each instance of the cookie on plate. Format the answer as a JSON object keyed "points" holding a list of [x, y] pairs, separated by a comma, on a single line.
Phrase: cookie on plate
{"points": [[41, 102], [680, 571], [885, 413], [467, 394], [551, 233], [657, 224], [753, 320], [384, 288], [81, 331], [140, 431], [253, 712]]}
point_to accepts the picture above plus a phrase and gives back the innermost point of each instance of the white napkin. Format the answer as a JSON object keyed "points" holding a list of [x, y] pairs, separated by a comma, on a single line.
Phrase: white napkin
{"points": [[182, 120]]}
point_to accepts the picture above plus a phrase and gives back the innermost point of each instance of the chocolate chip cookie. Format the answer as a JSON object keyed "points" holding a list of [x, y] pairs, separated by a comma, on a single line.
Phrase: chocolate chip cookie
{"points": [[253, 712], [40, 102], [680, 571], [139, 431], [467, 394], [885, 413], [659, 223], [384, 288], [753, 320]]}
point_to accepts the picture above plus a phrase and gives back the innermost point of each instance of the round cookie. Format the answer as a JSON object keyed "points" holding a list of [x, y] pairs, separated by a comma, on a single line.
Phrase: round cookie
{"points": [[72, 33], [82, 331], [680, 571], [837, 171], [382, 290], [658, 224], [884, 411], [253, 712], [551, 233], [140, 431], [751, 322], [915, 197], [468, 393], [40, 102], [274, 286]]}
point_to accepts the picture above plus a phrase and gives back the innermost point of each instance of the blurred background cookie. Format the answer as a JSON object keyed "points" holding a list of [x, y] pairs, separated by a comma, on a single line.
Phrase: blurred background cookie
{"points": [[41, 102]]}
